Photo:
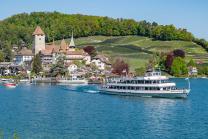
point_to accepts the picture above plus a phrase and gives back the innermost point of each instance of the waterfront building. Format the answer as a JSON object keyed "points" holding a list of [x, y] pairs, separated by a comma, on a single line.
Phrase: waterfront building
{"points": [[50, 52], [101, 62], [24, 56], [9, 68]]}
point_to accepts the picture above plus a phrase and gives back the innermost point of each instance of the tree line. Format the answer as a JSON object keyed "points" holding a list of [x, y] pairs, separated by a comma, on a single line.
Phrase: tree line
{"points": [[17, 30]]}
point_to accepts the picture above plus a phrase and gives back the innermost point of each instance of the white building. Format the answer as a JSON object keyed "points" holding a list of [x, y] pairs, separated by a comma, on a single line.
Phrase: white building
{"points": [[23, 56], [193, 71], [101, 62]]}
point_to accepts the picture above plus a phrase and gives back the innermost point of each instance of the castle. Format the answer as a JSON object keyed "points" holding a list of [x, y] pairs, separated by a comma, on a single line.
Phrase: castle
{"points": [[50, 52]]}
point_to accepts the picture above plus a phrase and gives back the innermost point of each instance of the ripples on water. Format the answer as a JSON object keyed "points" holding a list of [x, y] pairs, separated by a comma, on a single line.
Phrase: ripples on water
{"points": [[56, 112]]}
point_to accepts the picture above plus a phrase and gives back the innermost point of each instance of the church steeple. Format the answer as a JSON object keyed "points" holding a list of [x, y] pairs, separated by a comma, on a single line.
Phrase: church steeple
{"points": [[72, 44]]}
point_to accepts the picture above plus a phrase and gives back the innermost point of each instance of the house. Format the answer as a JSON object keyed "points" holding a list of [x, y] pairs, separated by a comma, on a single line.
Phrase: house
{"points": [[24, 56], [101, 62], [9, 68], [193, 71]]}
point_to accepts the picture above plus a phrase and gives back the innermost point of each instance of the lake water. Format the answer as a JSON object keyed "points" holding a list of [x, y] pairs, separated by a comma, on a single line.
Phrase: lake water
{"points": [[59, 112]]}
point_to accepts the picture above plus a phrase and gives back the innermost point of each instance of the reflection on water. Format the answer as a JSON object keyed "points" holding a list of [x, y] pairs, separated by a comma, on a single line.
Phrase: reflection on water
{"points": [[55, 111]]}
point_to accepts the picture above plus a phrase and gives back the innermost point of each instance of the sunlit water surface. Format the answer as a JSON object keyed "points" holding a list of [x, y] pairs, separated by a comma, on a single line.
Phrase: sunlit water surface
{"points": [[60, 112]]}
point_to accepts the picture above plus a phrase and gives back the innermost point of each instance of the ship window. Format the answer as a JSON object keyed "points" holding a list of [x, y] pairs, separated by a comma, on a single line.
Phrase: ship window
{"points": [[147, 82]]}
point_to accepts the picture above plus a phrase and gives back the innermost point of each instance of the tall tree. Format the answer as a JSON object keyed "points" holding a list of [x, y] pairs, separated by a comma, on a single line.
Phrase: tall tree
{"points": [[90, 50], [179, 53], [8, 55], [59, 69], [179, 67], [191, 63], [36, 64], [1, 56], [120, 67]]}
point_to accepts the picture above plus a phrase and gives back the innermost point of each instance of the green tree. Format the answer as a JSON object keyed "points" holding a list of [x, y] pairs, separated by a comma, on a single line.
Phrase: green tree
{"points": [[1, 56], [191, 63], [8, 55], [161, 61], [178, 67], [36, 64], [59, 69]]}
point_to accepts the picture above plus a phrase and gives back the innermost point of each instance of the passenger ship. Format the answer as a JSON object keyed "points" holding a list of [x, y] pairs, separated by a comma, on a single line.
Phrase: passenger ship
{"points": [[153, 84], [73, 80]]}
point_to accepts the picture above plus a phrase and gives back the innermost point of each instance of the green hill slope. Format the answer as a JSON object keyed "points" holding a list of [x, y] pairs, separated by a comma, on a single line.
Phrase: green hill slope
{"points": [[136, 50], [17, 31]]}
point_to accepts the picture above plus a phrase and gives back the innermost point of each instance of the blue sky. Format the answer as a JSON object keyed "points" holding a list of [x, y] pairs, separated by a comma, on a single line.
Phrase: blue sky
{"points": [[190, 14]]}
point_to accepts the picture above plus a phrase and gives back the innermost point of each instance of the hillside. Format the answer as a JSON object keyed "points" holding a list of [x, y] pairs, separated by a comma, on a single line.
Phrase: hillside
{"points": [[135, 43], [136, 50], [17, 29]]}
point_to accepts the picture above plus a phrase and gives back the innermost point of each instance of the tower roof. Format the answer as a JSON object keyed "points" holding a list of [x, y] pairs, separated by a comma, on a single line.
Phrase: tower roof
{"points": [[72, 44], [63, 46], [38, 31]]}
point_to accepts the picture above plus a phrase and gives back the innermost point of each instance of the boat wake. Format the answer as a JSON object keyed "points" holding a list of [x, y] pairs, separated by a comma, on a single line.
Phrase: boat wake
{"points": [[91, 91], [84, 89]]}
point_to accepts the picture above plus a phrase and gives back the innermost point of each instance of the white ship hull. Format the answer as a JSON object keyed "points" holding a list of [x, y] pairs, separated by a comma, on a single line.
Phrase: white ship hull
{"points": [[73, 81], [162, 94]]}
